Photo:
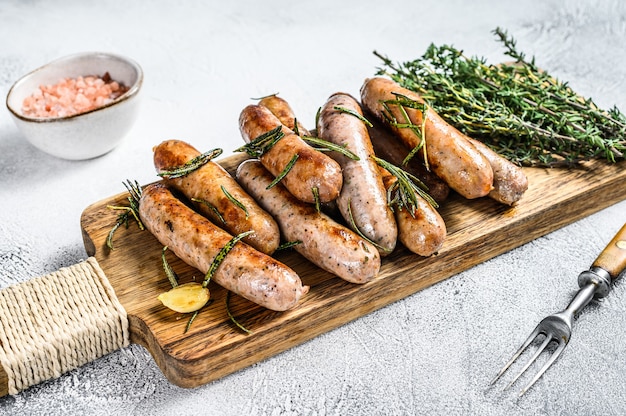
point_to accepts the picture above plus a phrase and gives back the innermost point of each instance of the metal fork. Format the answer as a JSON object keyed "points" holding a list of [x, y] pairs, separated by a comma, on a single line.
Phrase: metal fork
{"points": [[595, 282]]}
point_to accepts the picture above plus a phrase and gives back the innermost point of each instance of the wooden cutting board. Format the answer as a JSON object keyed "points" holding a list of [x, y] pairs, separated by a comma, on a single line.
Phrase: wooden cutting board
{"points": [[214, 347]]}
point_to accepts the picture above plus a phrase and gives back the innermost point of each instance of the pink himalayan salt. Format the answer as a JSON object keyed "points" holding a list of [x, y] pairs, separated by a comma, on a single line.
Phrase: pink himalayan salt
{"points": [[72, 96]]}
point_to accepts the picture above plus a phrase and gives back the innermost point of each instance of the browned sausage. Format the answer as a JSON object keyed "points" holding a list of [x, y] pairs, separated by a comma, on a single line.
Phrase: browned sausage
{"points": [[424, 232], [312, 170], [283, 111], [450, 154], [387, 147], [509, 180], [326, 243], [209, 184], [196, 240], [363, 200]]}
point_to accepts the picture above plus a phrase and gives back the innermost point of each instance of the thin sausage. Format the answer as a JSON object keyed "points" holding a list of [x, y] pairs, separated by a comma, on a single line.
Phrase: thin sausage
{"points": [[313, 172], [211, 186], [196, 240], [509, 180], [450, 154], [326, 243], [363, 200]]}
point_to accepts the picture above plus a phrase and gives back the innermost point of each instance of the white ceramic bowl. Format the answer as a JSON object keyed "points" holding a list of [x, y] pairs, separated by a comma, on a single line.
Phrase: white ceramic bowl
{"points": [[85, 135]]}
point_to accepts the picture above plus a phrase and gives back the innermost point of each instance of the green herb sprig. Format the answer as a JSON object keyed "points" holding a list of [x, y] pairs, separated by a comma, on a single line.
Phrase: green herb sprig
{"points": [[263, 143], [517, 108], [403, 194], [194, 164], [128, 212]]}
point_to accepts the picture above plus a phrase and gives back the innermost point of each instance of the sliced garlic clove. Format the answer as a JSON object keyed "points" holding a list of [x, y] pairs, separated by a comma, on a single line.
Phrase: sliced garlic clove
{"points": [[188, 297]]}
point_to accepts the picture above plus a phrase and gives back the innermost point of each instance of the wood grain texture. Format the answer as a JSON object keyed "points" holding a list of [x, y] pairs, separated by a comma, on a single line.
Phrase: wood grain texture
{"points": [[477, 231]]}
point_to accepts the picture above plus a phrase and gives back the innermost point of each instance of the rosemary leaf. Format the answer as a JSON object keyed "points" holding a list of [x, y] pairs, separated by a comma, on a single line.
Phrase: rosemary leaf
{"points": [[262, 144], [359, 232], [169, 272], [288, 245], [284, 173], [316, 198], [192, 165], [234, 200], [232, 317], [221, 255], [353, 113], [210, 206], [324, 145]]}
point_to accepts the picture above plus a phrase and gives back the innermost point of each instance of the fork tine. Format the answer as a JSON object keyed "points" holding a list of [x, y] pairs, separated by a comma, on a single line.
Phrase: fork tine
{"points": [[542, 347], [552, 359], [519, 352]]}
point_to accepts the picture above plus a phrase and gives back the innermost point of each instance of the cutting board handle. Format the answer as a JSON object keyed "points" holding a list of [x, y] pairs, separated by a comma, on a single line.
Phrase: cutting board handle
{"points": [[52, 324]]}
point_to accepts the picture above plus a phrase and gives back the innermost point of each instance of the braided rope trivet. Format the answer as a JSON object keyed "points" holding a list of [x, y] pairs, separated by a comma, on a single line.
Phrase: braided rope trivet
{"points": [[54, 323]]}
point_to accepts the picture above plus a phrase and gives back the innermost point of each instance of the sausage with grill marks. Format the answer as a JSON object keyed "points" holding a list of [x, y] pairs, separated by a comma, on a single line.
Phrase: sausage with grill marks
{"points": [[313, 170], [196, 240], [450, 154], [387, 147], [326, 243], [206, 183]]}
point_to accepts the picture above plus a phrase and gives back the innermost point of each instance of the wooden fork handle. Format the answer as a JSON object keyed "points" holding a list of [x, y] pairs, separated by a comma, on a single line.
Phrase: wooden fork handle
{"points": [[613, 257]]}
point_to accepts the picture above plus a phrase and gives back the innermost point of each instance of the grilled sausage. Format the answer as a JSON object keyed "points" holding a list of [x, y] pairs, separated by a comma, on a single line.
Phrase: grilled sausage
{"points": [[422, 233], [283, 111], [450, 154], [363, 200], [196, 240], [210, 184], [509, 180], [326, 243], [387, 147], [312, 170]]}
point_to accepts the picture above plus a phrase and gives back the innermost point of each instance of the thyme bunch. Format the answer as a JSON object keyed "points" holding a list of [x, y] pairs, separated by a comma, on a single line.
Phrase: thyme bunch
{"points": [[517, 108]]}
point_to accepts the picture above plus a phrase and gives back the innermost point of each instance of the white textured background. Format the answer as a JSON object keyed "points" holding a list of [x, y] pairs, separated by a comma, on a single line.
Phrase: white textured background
{"points": [[432, 353]]}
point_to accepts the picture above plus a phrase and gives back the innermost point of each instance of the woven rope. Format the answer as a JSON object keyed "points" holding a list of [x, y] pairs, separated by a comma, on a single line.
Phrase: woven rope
{"points": [[52, 324]]}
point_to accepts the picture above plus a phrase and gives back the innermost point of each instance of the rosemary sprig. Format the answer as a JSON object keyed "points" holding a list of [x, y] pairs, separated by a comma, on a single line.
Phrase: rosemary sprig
{"points": [[195, 163], [284, 173], [326, 146], [219, 258], [232, 317], [221, 255], [210, 206], [403, 102], [217, 261], [403, 194], [235, 201], [132, 210], [359, 232], [353, 113], [296, 129], [288, 244], [169, 272], [517, 108], [316, 197], [262, 144]]}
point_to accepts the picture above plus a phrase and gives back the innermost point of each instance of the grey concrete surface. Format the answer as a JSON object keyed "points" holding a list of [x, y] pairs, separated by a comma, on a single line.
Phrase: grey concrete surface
{"points": [[432, 353]]}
